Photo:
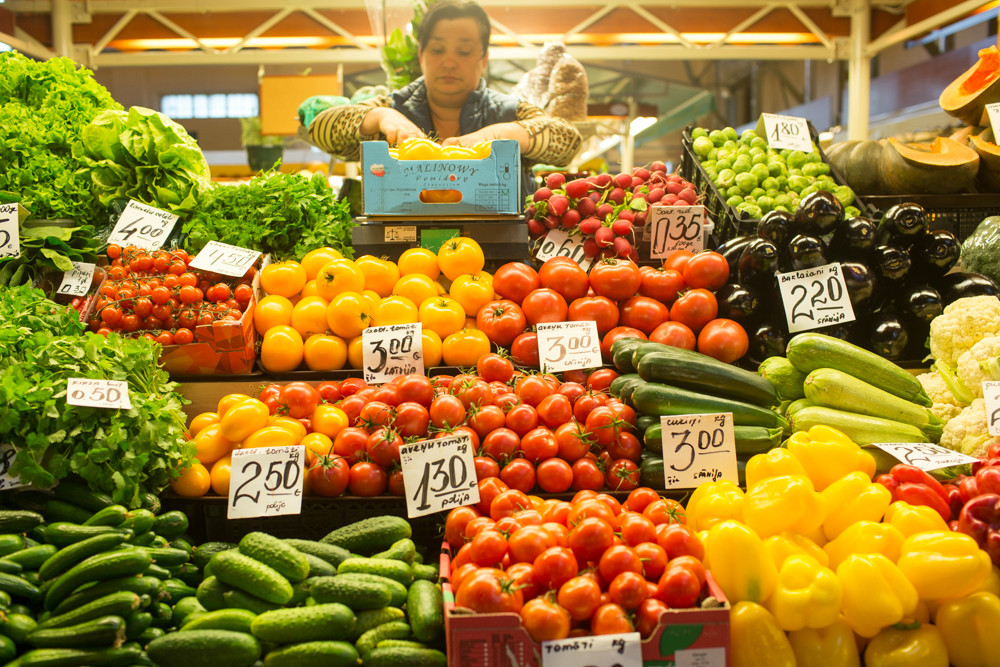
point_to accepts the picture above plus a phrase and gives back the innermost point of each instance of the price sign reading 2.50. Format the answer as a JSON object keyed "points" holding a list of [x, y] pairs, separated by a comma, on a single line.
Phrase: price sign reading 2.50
{"points": [[438, 474], [698, 448], [266, 481]]}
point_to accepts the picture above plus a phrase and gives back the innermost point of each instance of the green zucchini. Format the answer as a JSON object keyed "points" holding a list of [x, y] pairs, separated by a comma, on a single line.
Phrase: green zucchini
{"points": [[651, 473], [621, 353], [658, 399], [750, 440], [785, 377], [862, 429], [616, 385], [797, 405], [103, 631], [701, 373]]}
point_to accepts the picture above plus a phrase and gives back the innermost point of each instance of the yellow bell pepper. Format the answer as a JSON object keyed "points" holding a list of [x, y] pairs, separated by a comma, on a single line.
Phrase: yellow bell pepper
{"points": [[913, 519], [832, 646], [943, 565], [755, 640], [783, 503], [893, 647], [739, 563], [991, 584], [827, 455], [876, 593], [807, 595], [969, 626], [785, 544], [850, 499], [774, 463], [865, 537], [713, 502]]}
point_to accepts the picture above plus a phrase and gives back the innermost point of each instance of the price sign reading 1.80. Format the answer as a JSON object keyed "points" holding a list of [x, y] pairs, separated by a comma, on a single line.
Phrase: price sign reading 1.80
{"points": [[559, 243], [439, 474], [229, 260], [815, 297], [266, 481], [564, 346], [8, 481], [391, 351], [698, 448], [10, 241], [143, 226], [110, 394], [791, 132]]}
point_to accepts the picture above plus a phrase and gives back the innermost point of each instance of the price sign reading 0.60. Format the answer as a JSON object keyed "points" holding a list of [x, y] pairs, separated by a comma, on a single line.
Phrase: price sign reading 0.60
{"points": [[676, 228], [110, 394], [143, 226], [815, 297], [564, 346], [621, 650], [10, 241], [391, 351], [559, 243], [229, 260], [266, 481], [698, 448], [786, 132], [7, 481], [438, 474]]}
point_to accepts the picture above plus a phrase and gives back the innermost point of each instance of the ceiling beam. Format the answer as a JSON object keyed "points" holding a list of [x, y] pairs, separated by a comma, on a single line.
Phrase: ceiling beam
{"points": [[902, 32]]}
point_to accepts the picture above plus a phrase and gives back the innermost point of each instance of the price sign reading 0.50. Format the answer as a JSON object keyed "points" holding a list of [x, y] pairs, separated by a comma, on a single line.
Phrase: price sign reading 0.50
{"points": [[76, 281], [621, 650], [698, 448], [559, 243], [266, 481], [438, 474], [564, 346], [110, 394], [229, 260], [143, 226], [815, 298], [7, 481], [791, 132], [10, 241], [676, 228], [391, 351]]}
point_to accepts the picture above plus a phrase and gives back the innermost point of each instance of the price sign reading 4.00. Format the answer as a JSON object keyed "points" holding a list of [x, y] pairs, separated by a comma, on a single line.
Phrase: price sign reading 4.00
{"points": [[229, 260], [438, 474], [815, 298], [266, 481], [8, 481], [564, 346], [925, 455], [559, 243], [676, 228], [698, 448], [143, 226], [622, 650], [110, 394], [76, 282], [10, 241], [391, 351], [791, 132]]}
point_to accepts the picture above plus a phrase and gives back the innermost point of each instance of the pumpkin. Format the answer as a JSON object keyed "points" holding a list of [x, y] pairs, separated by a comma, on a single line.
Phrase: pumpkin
{"points": [[966, 97], [942, 166], [988, 178], [858, 162]]}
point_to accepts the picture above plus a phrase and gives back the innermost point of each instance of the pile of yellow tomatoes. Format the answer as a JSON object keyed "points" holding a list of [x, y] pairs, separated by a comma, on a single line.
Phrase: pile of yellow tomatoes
{"points": [[315, 310], [422, 148]]}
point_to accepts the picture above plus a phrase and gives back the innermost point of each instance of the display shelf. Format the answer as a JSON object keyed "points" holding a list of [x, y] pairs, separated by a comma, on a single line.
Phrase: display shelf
{"points": [[959, 214]]}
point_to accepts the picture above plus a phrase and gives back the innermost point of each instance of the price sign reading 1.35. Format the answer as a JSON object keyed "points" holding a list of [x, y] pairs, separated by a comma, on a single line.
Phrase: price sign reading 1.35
{"points": [[791, 132], [559, 243], [391, 351], [143, 226], [698, 448], [7, 481], [76, 281], [676, 228], [564, 346], [266, 481], [110, 394], [439, 474], [10, 241], [925, 455], [622, 650], [815, 298], [229, 260]]}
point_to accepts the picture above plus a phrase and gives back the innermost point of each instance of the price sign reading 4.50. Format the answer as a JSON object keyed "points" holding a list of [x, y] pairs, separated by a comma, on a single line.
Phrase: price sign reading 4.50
{"points": [[229, 260], [76, 281], [698, 448], [559, 243], [622, 650], [815, 298], [266, 481], [110, 394], [791, 132], [439, 474], [10, 241], [8, 481], [391, 351], [564, 346], [925, 455], [143, 226], [676, 228]]}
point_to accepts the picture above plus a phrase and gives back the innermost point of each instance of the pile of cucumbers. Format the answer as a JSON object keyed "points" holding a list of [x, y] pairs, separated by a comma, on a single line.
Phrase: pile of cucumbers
{"points": [[659, 380]]}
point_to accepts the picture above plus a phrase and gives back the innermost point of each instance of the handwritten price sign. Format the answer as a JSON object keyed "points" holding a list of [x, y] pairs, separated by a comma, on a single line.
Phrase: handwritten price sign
{"points": [[76, 282], [993, 111], [815, 298], [10, 241], [676, 228], [991, 392], [391, 351], [438, 474], [698, 448], [622, 650], [266, 481], [564, 346], [791, 132], [559, 243], [143, 226], [109, 394], [7, 481], [924, 455], [229, 260]]}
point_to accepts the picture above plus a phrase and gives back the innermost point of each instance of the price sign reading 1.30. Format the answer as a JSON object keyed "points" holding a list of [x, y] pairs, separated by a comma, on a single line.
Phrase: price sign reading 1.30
{"points": [[676, 228], [564, 346], [76, 282], [10, 241], [229, 260], [266, 481], [391, 351], [559, 243], [698, 448], [622, 650], [7, 481], [991, 392], [815, 298], [143, 226], [924, 455], [439, 474], [110, 394], [791, 132]]}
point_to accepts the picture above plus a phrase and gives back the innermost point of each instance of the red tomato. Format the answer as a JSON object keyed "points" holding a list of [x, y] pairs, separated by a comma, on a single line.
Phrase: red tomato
{"points": [[647, 616], [352, 386], [622, 475], [678, 260], [544, 305], [524, 350], [590, 538], [412, 419], [665, 510], [679, 588], [489, 489], [415, 388], [567, 278], [539, 444], [508, 503], [471, 390], [706, 269], [299, 399], [628, 590], [271, 397], [615, 278], [521, 419], [660, 283], [388, 394], [618, 332], [610, 619], [587, 475], [485, 467], [580, 596], [532, 390], [329, 391], [598, 308], [636, 529], [515, 281], [485, 419], [528, 542], [493, 367], [351, 443], [626, 446], [617, 559], [501, 321], [601, 379], [488, 548], [367, 479], [574, 442], [554, 475], [695, 308], [329, 476], [573, 389], [519, 474], [523, 575], [555, 410], [679, 540], [691, 563], [375, 414], [396, 485], [447, 410], [454, 526], [489, 592], [724, 340], [643, 313], [675, 334], [639, 499], [583, 405], [501, 443], [383, 447], [554, 567], [654, 559], [460, 574], [545, 620]]}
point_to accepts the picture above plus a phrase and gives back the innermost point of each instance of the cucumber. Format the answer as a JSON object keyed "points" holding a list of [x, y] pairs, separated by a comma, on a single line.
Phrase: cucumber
{"points": [[370, 536], [808, 351], [10, 567], [404, 550], [10, 543], [69, 556], [749, 439], [19, 588], [358, 593], [333, 555], [139, 521], [320, 622], [120, 603], [382, 567], [237, 620], [701, 373], [190, 574], [154, 570], [407, 643], [140, 585], [397, 589], [58, 510], [862, 429], [137, 624], [319, 567], [96, 568], [175, 590], [63, 533], [149, 501], [658, 399], [252, 576], [163, 615], [425, 610], [17, 626], [204, 648], [400, 656], [621, 353], [369, 640], [32, 558], [170, 524], [785, 377], [210, 593], [150, 634], [238, 599], [82, 495], [5, 601], [181, 543], [167, 557], [651, 473], [203, 553], [77, 657], [425, 572], [311, 654], [19, 521], [103, 631], [7, 649], [271, 551], [616, 385], [28, 499], [112, 515], [372, 618]]}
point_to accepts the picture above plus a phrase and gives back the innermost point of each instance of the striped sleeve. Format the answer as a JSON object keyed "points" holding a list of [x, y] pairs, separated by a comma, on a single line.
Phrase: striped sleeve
{"points": [[337, 130], [551, 140]]}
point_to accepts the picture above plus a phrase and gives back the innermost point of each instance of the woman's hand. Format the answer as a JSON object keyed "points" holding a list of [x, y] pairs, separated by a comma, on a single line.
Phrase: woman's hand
{"points": [[489, 133], [392, 124]]}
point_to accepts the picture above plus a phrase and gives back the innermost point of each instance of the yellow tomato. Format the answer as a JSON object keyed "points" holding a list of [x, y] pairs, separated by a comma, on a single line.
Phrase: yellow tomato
{"points": [[349, 314], [228, 401], [194, 481], [201, 421], [460, 255], [355, 353], [457, 152], [271, 436], [316, 445], [309, 315], [419, 260], [394, 154], [290, 424], [328, 420], [441, 289], [442, 315], [243, 419], [323, 352], [310, 289], [483, 149], [283, 278], [432, 348], [380, 275], [281, 351], [315, 260], [416, 287], [470, 323], [373, 298], [220, 475], [463, 348], [472, 292], [419, 149], [394, 310], [212, 444], [272, 311], [340, 275]]}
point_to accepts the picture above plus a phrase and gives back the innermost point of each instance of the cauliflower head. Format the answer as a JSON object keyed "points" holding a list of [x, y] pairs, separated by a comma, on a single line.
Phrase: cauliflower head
{"points": [[967, 433], [968, 368], [962, 324], [945, 406]]}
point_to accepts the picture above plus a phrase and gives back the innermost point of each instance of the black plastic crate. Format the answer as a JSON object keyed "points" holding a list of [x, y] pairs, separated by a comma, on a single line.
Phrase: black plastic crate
{"points": [[959, 214]]}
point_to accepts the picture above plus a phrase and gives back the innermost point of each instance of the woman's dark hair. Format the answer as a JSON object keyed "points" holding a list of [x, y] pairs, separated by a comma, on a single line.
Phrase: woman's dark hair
{"points": [[454, 9]]}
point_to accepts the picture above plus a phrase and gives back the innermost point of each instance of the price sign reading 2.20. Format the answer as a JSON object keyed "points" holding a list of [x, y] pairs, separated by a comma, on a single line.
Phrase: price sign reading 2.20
{"points": [[815, 297], [438, 474], [698, 448], [564, 346], [266, 481], [391, 351]]}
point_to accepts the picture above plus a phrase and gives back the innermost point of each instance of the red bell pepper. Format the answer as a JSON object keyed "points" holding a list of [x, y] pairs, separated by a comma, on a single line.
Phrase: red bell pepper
{"points": [[994, 451], [955, 500], [980, 519], [916, 487], [985, 463], [968, 488], [988, 479]]}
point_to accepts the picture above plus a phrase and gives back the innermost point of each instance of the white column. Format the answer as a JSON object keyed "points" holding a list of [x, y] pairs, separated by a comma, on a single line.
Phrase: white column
{"points": [[62, 28], [859, 72]]}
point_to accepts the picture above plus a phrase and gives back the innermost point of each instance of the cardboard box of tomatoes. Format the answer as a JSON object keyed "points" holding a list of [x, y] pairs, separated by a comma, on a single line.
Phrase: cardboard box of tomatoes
{"points": [[683, 636], [445, 186]]}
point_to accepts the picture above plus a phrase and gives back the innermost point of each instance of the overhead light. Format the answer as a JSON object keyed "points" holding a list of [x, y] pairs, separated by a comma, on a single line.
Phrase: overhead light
{"points": [[218, 43], [639, 124]]}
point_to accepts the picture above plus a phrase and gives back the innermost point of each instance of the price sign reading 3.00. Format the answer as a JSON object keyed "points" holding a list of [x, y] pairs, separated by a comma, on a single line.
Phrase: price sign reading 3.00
{"points": [[925, 455], [8, 481], [391, 351], [266, 481], [76, 282], [110, 394], [698, 448], [10, 241], [791, 132], [143, 226], [559, 243], [621, 650], [439, 474], [676, 228], [815, 298], [229, 260], [564, 346]]}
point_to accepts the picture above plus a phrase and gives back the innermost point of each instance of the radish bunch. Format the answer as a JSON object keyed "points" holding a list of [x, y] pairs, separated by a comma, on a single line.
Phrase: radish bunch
{"points": [[606, 209]]}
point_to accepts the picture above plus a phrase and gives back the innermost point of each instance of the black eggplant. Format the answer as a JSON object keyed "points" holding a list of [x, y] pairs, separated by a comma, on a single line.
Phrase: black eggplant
{"points": [[842, 330], [818, 213], [776, 227], [757, 266], [936, 252], [806, 252], [861, 284], [891, 263], [738, 302], [919, 303], [731, 250], [903, 224], [768, 339], [958, 285], [853, 240], [889, 336]]}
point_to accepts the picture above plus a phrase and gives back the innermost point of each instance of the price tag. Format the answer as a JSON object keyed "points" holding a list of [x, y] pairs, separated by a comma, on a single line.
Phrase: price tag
{"points": [[438, 474], [924, 455], [993, 110], [229, 260], [266, 481], [564, 346], [110, 394], [789, 132], [558, 243], [10, 241], [76, 281], [143, 226], [623, 650], [700, 657], [815, 298], [400, 234], [698, 448], [391, 351], [676, 228], [991, 392], [7, 481]]}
